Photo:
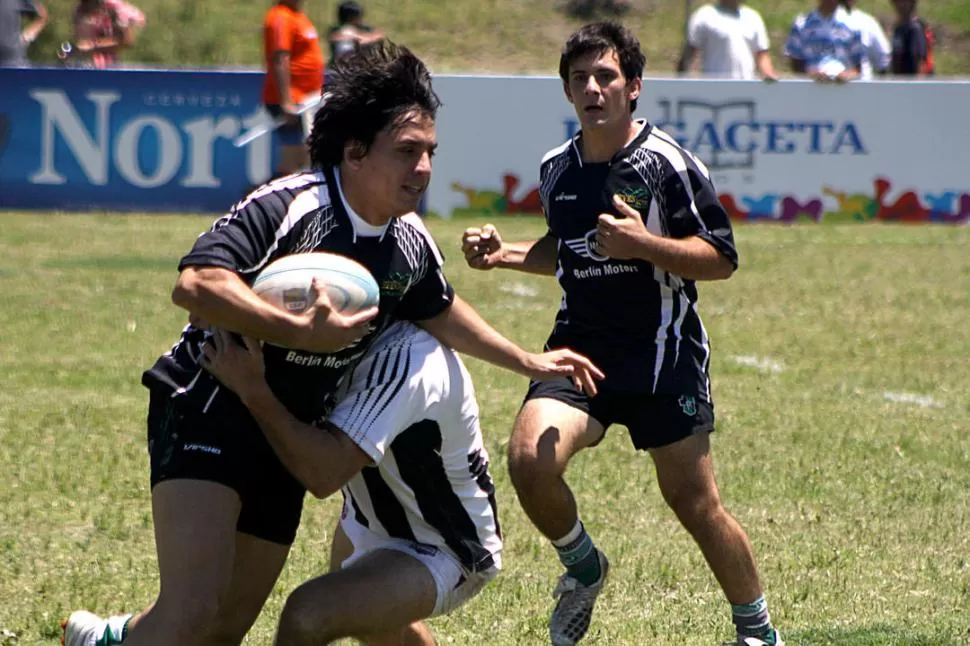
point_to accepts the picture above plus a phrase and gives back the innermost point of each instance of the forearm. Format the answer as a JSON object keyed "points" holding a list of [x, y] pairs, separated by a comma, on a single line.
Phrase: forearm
{"points": [[692, 258], [533, 257], [765, 67], [311, 454], [461, 328], [222, 299], [281, 74], [33, 29]]}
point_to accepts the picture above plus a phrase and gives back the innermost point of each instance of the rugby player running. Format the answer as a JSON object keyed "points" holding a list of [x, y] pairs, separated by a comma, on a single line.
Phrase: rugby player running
{"points": [[633, 221]]}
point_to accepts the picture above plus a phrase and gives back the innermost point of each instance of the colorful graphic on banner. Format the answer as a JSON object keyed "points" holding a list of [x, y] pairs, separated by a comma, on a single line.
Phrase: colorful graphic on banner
{"points": [[948, 207]]}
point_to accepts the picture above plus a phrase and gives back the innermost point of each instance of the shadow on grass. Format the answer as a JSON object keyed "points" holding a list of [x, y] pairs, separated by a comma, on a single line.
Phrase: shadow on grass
{"points": [[875, 635], [112, 263]]}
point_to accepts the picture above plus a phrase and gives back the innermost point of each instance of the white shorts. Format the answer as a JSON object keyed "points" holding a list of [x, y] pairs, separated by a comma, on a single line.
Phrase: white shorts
{"points": [[455, 584]]}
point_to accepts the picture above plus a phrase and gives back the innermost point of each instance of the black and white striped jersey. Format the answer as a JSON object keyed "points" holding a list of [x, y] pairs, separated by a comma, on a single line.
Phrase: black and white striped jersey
{"points": [[410, 405], [639, 323], [301, 213]]}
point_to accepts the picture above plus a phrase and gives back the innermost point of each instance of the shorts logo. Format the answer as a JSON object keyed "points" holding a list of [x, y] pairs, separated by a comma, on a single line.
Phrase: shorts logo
{"points": [[426, 550], [203, 448], [688, 404]]}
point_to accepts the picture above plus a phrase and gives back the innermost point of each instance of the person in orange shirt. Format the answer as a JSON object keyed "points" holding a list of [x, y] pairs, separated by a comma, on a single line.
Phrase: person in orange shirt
{"points": [[294, 73]]}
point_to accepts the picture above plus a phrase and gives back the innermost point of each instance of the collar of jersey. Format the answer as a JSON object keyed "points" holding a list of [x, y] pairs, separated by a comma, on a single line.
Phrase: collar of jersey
{"points": [[634, 142], [362, 228]]}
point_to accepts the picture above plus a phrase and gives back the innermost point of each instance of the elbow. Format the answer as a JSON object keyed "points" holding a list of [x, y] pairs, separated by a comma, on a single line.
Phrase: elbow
{"points": [[193, 285], [321, 486]]}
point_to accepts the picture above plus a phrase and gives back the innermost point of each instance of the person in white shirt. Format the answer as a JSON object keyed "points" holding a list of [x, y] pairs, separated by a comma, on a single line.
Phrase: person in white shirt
{"points": [[877, 48], [732, 40], [419, 533]]}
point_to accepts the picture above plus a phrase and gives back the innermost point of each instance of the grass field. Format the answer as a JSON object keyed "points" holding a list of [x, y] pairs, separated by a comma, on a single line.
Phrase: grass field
{"points": [[840, 372], [471, 36]]}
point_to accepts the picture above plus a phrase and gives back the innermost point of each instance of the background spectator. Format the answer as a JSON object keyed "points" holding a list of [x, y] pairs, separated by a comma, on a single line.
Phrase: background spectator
{"points": [[732, 41], [823, 46], [874, 42], [102, 29], [350, 32], [294, 73], [912, 42], [15, 35]]}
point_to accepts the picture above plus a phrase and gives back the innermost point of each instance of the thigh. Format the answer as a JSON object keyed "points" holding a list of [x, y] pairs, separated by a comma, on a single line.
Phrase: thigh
{"points": [[256, 568], [381, 592], [656, 421], [557, 421], [685, 470], [195, 536]]}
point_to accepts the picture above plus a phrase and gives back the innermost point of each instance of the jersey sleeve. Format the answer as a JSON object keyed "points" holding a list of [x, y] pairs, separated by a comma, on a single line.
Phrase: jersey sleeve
{"points": [[278, 34], [761, 40], [429, 292], [692, 208], [241, 241], [384, 396], [695, 29], [793, 46]]}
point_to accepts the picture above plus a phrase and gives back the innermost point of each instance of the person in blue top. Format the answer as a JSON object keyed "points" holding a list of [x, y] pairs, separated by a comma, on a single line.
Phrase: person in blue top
{"points": [[824, 47]]}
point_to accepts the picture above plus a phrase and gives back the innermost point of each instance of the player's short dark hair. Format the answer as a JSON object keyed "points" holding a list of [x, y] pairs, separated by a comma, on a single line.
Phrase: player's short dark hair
{"points": [[369, 89], [599, 38], [348, 10]]}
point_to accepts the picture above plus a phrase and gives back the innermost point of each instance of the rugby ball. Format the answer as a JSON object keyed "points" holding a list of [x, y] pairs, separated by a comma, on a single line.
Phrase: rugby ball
{"points": [[286, 282]]}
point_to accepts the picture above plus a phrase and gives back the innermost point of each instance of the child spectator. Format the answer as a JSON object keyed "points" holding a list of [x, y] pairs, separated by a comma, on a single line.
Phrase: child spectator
{"points": [[350, 32], [912, 42], [823, 46], [103, 28]]}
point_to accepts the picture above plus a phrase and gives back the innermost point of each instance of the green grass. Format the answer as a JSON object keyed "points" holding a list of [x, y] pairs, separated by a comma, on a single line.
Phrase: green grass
{"points": [[857, 505], [466, 35]]}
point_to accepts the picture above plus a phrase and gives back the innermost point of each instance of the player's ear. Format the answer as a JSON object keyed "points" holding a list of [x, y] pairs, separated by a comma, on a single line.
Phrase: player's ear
{"points": [[354, 152], [565, 89], [634, 88]]}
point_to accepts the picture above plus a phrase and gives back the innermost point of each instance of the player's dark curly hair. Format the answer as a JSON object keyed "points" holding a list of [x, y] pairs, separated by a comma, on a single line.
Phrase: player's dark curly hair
{"points": [[371, 88], [599, 38]]}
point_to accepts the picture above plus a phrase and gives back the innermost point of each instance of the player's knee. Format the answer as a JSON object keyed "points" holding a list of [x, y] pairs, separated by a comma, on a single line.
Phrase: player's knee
{"points": [[529, 465], [697, 507], [307, 620]]}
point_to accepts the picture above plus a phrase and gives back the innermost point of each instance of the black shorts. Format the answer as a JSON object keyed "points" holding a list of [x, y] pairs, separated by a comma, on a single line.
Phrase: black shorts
{"points": [[289, 134], [225, 445], [653, 420]]}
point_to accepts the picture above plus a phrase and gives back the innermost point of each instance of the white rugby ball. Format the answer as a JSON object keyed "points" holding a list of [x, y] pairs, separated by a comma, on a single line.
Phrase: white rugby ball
{"points": [[286, 282]]}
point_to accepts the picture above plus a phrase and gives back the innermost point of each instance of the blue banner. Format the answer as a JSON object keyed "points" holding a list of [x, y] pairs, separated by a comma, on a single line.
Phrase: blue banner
{"points": [[142, 140]]}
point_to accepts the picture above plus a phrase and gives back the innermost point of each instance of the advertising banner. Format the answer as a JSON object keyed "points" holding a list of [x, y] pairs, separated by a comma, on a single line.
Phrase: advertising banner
{"points": [[791, 151], [79, 139], [794, 150]]}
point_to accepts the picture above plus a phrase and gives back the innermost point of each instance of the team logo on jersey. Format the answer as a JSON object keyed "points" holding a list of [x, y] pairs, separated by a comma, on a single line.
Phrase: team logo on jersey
{"points": [[587, 247], [688, 404], [638, 198], [396, 283]]}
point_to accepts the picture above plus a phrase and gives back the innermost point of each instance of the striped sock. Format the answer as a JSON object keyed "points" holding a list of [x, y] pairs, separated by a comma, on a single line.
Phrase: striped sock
{"points": [[579, 555], [752, 620], [115, 632]]}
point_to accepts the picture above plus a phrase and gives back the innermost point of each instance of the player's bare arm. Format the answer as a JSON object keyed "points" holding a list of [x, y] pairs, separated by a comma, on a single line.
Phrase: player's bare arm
{"points": [[461, 328], [484, 249], [219, 297], [322, 459], [627, 238]]}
